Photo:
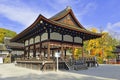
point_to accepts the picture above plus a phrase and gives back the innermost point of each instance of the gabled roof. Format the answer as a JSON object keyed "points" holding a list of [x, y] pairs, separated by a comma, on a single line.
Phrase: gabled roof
{"points": [[40, 17], [57, 24], [65, 12], [60, 14], [12, 45], [54, 21]]}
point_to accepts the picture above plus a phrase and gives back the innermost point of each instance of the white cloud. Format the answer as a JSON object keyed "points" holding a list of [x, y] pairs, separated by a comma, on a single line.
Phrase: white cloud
{"points": [[114, 29], [87, 8], [58, 4], [19, 12], [23, 15]]}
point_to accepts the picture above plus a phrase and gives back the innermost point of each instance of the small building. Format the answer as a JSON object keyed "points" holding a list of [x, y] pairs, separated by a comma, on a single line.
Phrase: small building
{"points": [[10, 50], [117, 53], [15, 49], [3, 52], [46, 36]]}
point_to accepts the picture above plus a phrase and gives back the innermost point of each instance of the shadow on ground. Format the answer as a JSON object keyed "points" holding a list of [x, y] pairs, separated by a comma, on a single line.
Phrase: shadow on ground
{"points": [[105, 71]]}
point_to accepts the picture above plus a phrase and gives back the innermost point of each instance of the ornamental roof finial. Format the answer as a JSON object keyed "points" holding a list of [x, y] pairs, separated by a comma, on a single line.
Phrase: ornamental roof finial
{"points": [[68, 7]]}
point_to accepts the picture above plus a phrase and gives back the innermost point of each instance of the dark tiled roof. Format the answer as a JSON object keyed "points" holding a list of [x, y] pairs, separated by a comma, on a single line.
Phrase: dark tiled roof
{"points": [[12, 44], [40, 17], [55, 21], [64, 13], [77, 28], [60, 14]]}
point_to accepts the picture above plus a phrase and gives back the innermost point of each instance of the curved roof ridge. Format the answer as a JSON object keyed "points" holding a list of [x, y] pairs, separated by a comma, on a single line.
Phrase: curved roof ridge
{"points": [[63, 13]]}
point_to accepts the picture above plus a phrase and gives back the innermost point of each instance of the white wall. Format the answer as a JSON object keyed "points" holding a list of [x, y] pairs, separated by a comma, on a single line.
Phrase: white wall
{"points": [[5, 52], [68, 38], [1, 59], [55, 36]]}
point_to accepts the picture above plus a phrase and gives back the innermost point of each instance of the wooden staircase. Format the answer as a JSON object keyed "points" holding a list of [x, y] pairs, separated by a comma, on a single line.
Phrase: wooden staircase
{"points": [[76, 65]]}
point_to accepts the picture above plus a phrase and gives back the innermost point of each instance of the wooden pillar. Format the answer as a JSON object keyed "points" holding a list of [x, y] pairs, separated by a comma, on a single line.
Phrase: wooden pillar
{"points": [[62, 54], [24, 50], [82, 49], [65, 53], [73, 49], [52, 53], [24, 53], [44, 53], [34, 48], [48, 51], [40, 47], [82, 52], [28, 52]]}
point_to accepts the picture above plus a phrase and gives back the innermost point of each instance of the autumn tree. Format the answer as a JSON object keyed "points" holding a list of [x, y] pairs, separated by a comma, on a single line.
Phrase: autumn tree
{"points": [[101, 47], [6, 33]]}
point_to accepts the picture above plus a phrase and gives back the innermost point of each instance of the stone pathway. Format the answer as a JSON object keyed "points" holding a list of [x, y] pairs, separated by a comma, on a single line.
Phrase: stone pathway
{"points": [[104, 72]]}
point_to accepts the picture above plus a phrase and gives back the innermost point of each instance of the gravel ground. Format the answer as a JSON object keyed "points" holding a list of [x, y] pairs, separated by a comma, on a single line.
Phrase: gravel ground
{"points": [[104, 72]]}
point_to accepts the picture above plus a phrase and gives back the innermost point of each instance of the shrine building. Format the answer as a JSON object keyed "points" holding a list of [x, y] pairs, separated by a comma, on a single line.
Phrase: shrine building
{"points": [[46, 36]]}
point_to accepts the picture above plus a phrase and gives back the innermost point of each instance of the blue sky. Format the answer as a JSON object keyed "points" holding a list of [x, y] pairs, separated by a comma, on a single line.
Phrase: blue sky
{"points": [[17, 15]]}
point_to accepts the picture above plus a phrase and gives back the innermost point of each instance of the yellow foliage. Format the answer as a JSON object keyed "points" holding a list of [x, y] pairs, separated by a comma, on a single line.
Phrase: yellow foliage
{"points": [[94, 30], [100, 47]]}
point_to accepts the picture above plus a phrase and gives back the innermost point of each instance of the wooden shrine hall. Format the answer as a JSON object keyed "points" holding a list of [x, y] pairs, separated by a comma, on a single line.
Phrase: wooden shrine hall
{"points": [[46, 36]]}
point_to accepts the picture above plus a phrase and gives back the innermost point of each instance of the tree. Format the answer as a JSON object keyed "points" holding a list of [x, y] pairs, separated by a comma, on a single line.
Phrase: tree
{"points": [[6, 33], [100, 47]]}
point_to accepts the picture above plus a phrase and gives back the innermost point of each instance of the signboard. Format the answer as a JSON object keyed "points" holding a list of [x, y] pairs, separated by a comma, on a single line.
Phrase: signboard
{"points": [[1, 59], [57, 54]]}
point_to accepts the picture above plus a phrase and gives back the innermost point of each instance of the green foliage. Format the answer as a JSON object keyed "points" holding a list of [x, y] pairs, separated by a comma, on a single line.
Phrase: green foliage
{"points": [[6, 33], [100, 60]]}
